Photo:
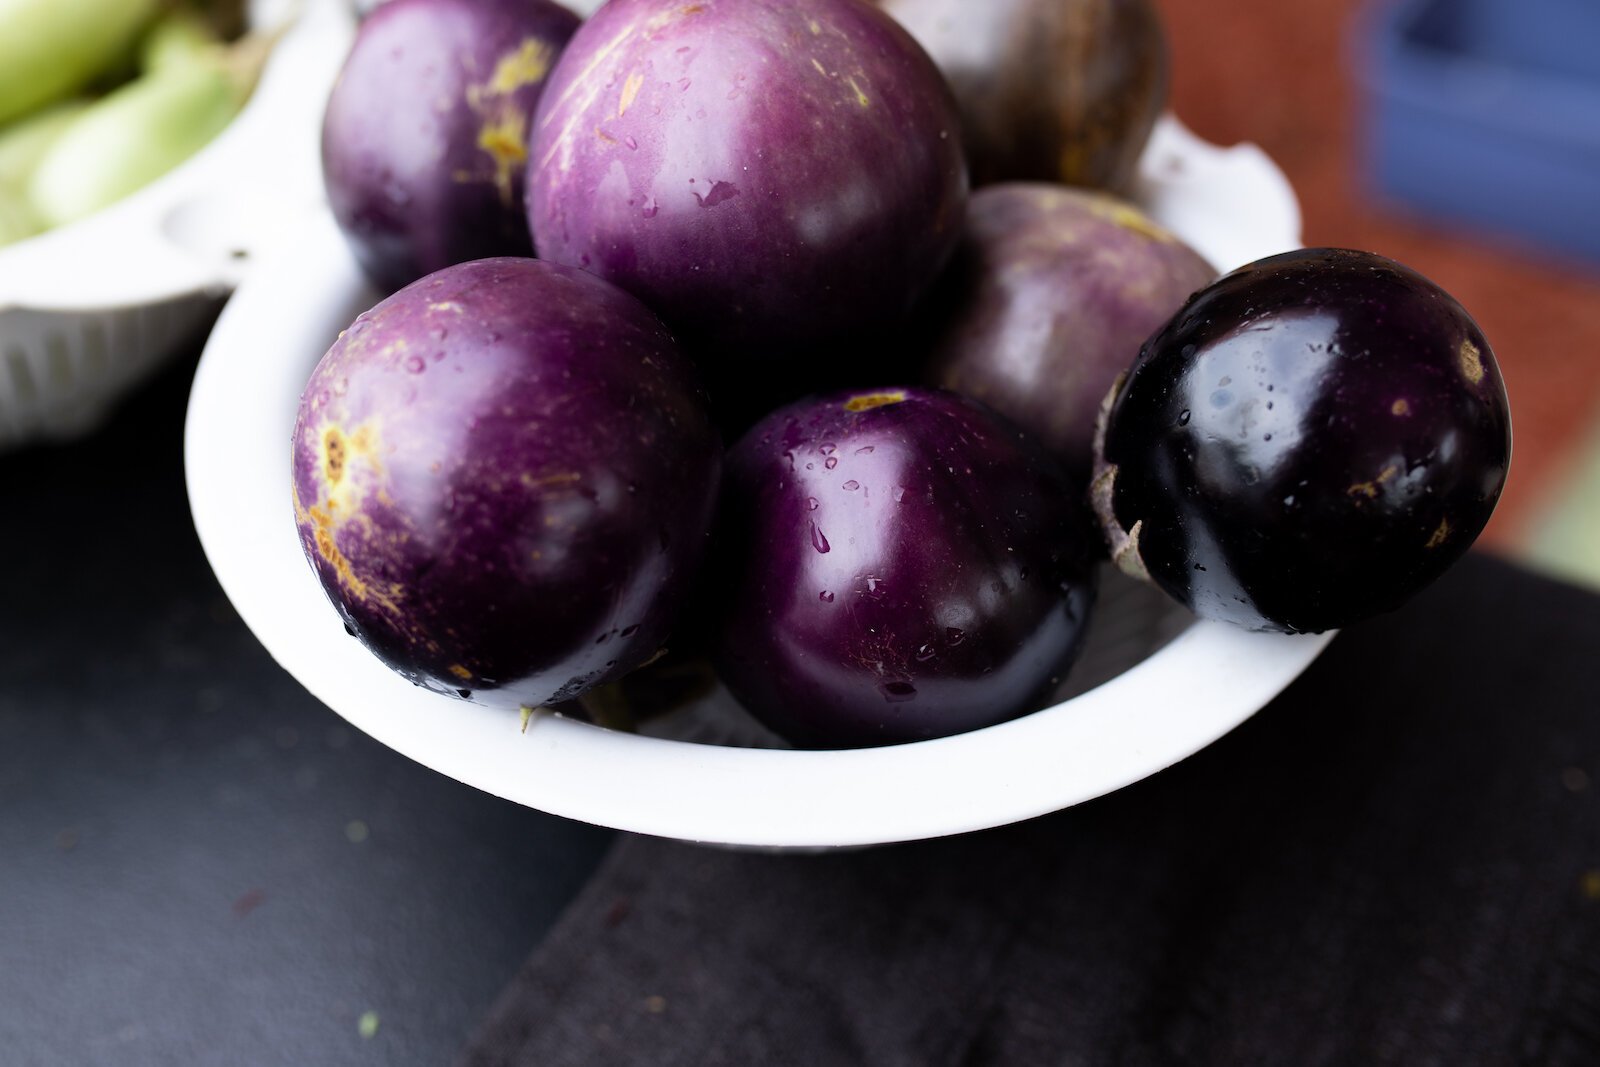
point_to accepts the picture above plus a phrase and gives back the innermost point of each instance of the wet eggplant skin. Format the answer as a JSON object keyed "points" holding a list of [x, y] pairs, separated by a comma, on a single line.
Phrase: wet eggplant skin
{"points": [[1049, 90], [505, 479], [1309, 442], [1052, 293], [424, 138], [773, 177], [896, 565]]}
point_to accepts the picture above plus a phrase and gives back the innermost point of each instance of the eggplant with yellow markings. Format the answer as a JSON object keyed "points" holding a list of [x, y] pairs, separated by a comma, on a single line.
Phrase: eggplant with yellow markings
{"points": [[424, 140], [505, 476]]}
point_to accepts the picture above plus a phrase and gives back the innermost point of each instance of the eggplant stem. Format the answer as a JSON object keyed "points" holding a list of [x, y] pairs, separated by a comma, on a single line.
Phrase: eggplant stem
{"points": [[1123, 544]]}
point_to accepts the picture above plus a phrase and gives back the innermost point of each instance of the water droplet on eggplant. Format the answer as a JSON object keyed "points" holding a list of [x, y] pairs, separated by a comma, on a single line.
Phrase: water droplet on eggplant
{"points": [[819, 540], [898, 692]]}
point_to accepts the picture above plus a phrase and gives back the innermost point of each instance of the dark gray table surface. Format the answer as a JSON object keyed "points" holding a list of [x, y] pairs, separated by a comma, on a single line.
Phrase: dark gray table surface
{"points": [[1398, 861], [199, 863]]}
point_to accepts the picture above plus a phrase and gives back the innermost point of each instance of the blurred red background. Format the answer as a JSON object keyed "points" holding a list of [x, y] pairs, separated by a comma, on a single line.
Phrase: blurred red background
{"points": [[1286, 76]]}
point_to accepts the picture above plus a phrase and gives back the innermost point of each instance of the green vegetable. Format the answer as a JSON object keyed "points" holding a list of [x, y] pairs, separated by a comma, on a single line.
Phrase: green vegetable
{"points": [[16, 221], [51, 48], [24, 143], [228, 19], [134, 135], [180, 37]]}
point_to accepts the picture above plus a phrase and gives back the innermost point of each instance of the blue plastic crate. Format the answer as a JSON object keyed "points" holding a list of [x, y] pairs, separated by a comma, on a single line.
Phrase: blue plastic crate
{"points": [[1487, 113]]}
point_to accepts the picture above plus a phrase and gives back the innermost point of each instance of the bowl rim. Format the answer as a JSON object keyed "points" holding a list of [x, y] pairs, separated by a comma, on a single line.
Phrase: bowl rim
{"points": [[1208, 680]]}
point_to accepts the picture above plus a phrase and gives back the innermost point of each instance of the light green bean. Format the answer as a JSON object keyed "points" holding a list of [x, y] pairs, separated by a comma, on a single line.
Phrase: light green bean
{"points": [[179, 37], [16, 220], [51, 48], [132, 136], [24, 142]]}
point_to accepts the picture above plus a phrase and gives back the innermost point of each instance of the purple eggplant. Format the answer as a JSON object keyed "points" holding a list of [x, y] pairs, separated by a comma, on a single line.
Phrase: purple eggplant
{"points": [[1309, 442], [1054, 291], [897, 565], [1049, 90], [505, 477], [773, 177], [425, 136]]}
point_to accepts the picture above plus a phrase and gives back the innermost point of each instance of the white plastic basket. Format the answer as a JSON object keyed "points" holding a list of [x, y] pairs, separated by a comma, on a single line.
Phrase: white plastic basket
{"points": [[1153, 685], [89, 309]]}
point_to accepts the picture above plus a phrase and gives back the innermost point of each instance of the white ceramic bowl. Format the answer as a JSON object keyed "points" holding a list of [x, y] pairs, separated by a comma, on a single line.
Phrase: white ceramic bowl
{"points": [[1152, 687], [89, 309]]}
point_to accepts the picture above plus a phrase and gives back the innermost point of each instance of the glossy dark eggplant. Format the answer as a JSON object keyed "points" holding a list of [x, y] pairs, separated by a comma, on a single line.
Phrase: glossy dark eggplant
{"points": [[505, 478], [425, 136], [1053, 292], [772, 177], [897, 565], [1311, 441], [1049, 90]]}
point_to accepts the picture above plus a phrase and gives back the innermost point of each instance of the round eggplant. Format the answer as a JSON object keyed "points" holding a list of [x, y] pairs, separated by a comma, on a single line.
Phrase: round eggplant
{"points": [[505, 477], [1054, 291], [424, 140], [897, 565], [771, 176], [1049, 90], [1309, 442]]}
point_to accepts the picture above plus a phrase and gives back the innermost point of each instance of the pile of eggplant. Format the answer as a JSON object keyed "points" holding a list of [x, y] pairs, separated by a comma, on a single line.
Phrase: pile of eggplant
{"points": [[99, 98], [816, 339]]}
